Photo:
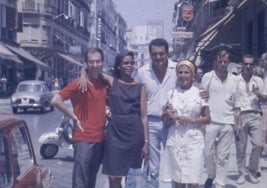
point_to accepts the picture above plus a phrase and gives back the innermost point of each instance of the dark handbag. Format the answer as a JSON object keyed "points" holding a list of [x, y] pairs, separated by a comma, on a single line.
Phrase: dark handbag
{"points": [[168, 105]]}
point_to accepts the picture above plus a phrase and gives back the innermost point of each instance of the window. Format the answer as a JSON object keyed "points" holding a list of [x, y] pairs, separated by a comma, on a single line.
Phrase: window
{"points": [[3, 16], [22, 157], [81, 19], [5, 163], [29, 88]]}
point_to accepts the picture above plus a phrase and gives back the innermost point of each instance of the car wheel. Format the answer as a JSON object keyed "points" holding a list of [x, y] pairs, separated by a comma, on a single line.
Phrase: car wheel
{"points": [[48, 151], [15, 110]]}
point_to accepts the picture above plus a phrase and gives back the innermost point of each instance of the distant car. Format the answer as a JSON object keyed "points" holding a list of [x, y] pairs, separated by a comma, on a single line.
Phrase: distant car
{"points": [[18, 166], [31, 94]]}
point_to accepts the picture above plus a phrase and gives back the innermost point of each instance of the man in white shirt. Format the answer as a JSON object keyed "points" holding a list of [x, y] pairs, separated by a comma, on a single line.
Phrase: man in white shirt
{"points": [[221, 86], [264, 105], [250, 90], [159, 77]]}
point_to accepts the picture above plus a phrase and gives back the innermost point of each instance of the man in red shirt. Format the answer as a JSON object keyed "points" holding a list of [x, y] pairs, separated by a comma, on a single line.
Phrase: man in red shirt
{"points": [[89, 117]]}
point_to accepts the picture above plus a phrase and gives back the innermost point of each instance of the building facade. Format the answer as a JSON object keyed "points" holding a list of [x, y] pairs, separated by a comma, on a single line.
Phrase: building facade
{"points": [[236, 25], [10, 64], [57, 32], [139, 37], [108, 30]]}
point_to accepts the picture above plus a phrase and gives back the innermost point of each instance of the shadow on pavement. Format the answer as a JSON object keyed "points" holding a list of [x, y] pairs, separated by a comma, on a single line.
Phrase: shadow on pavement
{"points": [[64, 159]]}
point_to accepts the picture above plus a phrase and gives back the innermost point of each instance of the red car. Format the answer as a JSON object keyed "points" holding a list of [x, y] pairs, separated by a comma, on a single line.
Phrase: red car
{"points": [[18, 166]]}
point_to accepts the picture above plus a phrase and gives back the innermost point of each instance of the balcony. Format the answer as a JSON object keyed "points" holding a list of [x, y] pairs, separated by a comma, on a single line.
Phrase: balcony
{"points": [[31, 7], [210, 13], [48, 9]]}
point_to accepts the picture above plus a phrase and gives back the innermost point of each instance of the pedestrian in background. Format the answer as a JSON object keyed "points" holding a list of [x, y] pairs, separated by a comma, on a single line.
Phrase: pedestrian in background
{"points": [[264, 110], [198, 76], [250, 91], [264, 104], [222, 87], [89, 117], [185, 141]]}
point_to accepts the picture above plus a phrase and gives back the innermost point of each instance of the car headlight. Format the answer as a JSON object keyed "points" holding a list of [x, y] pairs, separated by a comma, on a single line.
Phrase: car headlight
{"points": [[13, 99], [37, 98]]}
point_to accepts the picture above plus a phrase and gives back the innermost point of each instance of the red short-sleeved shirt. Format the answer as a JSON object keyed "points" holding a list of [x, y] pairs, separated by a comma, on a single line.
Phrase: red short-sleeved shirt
{"points": [[89, 107]]}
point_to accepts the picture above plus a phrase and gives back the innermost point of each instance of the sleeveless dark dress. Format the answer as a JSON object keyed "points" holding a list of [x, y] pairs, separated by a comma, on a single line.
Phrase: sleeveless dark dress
{"points": [[125, 132]]}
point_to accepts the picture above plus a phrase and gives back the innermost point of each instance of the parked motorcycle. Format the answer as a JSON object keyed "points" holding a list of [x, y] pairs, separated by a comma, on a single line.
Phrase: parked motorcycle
{"points": [[61, 137]]}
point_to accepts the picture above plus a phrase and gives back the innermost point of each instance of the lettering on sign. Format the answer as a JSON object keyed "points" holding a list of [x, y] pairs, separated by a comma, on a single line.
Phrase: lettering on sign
{"points": [[182, 34]]}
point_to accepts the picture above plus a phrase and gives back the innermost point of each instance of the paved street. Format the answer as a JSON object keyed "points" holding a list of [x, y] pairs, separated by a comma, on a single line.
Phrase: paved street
{"points": [[62, 164]]}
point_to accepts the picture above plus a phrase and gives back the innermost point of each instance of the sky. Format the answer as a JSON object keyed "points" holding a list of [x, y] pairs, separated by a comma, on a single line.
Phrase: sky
{"points": [[140, 11]]}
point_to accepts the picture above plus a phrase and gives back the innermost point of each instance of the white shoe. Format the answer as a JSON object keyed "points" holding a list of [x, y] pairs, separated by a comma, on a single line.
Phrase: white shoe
{"points": [[241, 180], [252, 178], [167, 180]]}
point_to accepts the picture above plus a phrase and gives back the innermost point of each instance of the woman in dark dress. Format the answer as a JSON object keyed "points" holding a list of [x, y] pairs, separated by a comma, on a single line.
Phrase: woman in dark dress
{"points": [[127, 141]]}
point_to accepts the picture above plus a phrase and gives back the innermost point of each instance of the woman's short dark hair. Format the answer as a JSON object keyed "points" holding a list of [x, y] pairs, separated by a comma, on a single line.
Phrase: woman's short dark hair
{"points": [[94, 50], [118, 60], [159, 42]]}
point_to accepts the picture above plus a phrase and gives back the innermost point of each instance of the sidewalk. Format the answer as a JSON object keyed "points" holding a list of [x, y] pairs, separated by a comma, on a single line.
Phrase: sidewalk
{"points": [[5, 101]]}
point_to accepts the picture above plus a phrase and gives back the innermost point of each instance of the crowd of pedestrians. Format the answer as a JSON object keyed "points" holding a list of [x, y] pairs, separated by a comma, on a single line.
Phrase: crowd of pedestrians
{"points": [[123, 122]]}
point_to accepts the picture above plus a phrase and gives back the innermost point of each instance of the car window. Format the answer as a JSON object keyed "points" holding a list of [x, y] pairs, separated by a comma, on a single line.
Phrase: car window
{"points": [[5, 163], [29, 88], [22, 156]]}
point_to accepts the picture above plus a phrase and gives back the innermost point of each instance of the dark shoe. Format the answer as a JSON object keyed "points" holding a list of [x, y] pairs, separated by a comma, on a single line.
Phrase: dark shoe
{"points": [[258, 174], [252, 178], [241, 180], [208, 183]]}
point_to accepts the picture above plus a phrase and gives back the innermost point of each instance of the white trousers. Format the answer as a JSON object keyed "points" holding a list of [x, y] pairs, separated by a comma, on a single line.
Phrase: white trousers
{"points": [[218, 140]]}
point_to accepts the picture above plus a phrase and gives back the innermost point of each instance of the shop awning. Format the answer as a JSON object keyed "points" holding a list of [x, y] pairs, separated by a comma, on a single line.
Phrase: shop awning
{"points": [[70, 59], [206, 37], [24, 54], [5, 53]]}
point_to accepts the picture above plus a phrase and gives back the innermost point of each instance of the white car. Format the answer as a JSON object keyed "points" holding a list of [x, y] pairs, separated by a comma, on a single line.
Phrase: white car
{"points": [[31, 94]]}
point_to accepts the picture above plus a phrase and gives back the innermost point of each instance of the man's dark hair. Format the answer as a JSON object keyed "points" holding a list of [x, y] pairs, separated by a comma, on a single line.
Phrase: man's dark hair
{"points": [[248, 56], [94, 50], [222, 54], [159, 42]]}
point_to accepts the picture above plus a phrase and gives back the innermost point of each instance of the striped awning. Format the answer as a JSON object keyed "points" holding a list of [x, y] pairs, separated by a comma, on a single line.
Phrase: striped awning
{"points": [[26, 55], [5, 53], [70, 59]]}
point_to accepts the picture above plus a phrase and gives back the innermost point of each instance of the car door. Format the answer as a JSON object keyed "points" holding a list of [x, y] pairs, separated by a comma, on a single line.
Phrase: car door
{"points": [[26, 172]]}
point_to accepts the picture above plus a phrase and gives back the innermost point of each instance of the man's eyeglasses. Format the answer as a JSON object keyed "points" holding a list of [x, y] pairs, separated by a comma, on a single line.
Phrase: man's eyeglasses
{"points": [[128, 63], [94, 61], [248, 64]]}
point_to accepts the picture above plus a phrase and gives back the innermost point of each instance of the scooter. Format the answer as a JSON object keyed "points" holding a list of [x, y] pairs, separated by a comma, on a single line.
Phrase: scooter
{"points": [[61, 137]]}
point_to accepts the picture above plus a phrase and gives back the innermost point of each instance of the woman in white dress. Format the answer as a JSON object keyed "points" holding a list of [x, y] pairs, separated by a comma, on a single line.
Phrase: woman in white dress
{"points": [[185, 142]]}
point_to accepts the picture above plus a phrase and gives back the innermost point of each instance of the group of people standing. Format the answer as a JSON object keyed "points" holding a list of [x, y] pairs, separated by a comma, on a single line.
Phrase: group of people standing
{"points": [[163, 107]]}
